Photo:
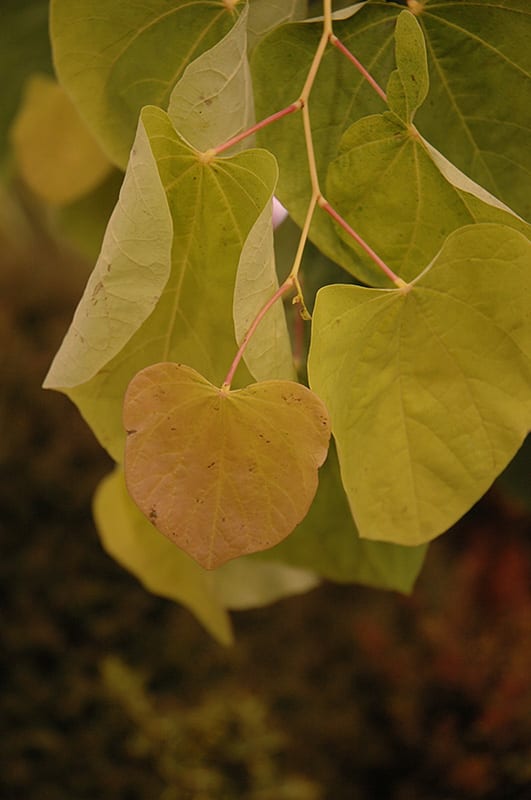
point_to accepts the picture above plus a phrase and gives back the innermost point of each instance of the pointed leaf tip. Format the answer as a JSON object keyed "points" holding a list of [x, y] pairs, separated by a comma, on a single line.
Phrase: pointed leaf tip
{"points": [[222, 474]]}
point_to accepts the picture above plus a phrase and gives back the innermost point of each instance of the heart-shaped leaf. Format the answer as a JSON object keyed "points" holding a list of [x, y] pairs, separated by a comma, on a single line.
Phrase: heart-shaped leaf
{"points": [[222, 473], [429, 390]]}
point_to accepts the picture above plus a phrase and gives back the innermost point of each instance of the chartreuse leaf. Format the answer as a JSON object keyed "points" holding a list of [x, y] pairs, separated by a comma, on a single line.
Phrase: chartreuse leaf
{"points": [[57, 156], [264, 15], [24, 49], [476, 111], [279, 65], [246, 582], [408, 84], [212, 208], [114, 57], [213, 101], [429, 390], [167, 571], [129, 276], [386, 172], [221, 473], [163, 568], [268, 354], [327, 541]]}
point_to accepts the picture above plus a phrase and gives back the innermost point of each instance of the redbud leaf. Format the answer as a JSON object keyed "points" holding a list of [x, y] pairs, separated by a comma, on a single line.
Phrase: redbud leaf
{"points": [[220, 473], [429, 390]]}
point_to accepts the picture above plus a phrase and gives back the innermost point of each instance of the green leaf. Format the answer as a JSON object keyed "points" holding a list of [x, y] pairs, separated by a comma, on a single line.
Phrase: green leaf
{"points": [[57, 156], [327, 541], [167, 571], [129, 276], [268, 354], [386, 171], [340, 95], [114, 57], [163, 569], [24, 49], [220, 473], [428, 389], [476, 112], [212, 208], [213, 101], [264, 15], [408, 85], [245, 582]]}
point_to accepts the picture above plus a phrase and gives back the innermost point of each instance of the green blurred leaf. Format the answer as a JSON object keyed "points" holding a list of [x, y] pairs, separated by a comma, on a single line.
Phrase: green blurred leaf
{"points": [[327, 541], [114, 57], [222, 474], [57, 156], [429, 389], [24, 49]]}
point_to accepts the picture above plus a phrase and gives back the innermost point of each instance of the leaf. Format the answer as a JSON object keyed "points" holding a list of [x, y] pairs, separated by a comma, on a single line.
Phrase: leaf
{"points": [[327, 541], [213, 101], [268, 354], [128, 278], [279, 66], [166, 571], [24, 49], [57, 156], [114, 57], [428, 389], [213, 207], [245, 582], [408, 84], [476, 112], [386, 172], [221, 474], [264, 15], [163, 569]]}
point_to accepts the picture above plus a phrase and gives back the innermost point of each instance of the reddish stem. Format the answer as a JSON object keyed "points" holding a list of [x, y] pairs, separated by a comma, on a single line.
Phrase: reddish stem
{"points": [[282, 289], [362, 243], [257, 127], [359, 66]]}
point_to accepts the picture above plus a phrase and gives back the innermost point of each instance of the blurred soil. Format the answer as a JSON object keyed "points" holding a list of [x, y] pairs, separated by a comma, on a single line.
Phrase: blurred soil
{"points": [[110, 693]]}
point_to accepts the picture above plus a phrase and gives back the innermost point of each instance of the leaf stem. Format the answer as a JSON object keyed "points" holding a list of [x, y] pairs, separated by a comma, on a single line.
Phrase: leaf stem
{"points": [[282, 289], [359, 66], [324, 204], [215, 151]]}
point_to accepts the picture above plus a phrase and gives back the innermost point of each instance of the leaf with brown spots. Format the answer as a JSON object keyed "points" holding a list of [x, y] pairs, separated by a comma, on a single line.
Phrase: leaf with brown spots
{"points": [[221, 473]]}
